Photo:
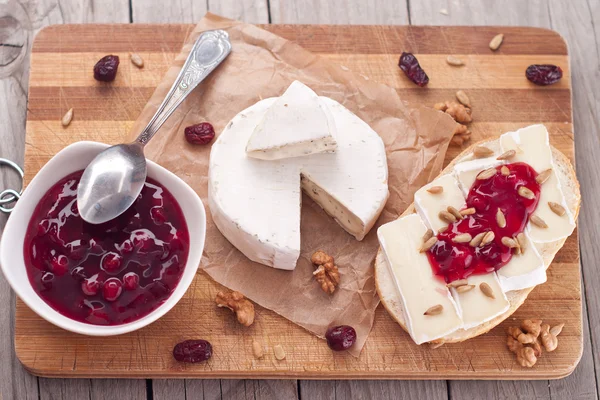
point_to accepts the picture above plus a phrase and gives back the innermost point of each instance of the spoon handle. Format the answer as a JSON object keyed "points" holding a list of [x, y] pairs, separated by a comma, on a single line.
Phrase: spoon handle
{"points": [[211, 48]]}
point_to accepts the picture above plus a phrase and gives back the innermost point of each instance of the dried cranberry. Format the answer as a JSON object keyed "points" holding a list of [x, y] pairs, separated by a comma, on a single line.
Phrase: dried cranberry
{"points": [[341, 337], [201, 133], [192, 351], [410, 65], [105, 70], [112, 289], [543, 74]]}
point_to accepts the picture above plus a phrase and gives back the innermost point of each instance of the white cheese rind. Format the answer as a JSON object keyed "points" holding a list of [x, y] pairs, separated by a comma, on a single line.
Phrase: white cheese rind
{"points": [[355, 176], [429, 205], [466, 172], [419, 288], [297, 124], [475, 307], [523, 270], [256, 203], [533, 147]]}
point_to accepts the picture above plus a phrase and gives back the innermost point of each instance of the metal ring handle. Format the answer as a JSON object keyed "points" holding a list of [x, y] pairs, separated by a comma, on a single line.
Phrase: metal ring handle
{"points": [[14, 195]]}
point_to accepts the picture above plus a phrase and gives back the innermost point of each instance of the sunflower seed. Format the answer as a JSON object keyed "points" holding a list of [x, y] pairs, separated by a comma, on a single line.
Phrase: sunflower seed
{"points": [[487, 290], [500, 219], [486, 174], [454, 61], [428, 244], [447, 217], [435, 189], [455, 212], [556, 330], [537, 221], [482, 152], [257, 349], [557, 208], [518, 248], [526, 192], [443, 229], [462, 97], [487, 238], [279, 352], [543, 176], [462, 238], [428, 235], [522, 242], [505, 171], [477, 239], [457, 283], [509, 242], [507, 155], [67, 118], [467, 211], [496, 41], [435, 310], [464, 288], [137, 60]]}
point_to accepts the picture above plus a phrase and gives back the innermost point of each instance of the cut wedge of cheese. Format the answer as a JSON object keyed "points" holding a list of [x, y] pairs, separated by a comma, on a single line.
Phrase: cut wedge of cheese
{"points": [[297, 124], [474, 306], [419, 287], [429, 205], [256, 203], [523, 270], [533, 147]]}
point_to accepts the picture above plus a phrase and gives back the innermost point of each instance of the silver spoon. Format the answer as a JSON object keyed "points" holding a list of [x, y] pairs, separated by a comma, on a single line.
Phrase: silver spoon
{"points": [[114, 179]]}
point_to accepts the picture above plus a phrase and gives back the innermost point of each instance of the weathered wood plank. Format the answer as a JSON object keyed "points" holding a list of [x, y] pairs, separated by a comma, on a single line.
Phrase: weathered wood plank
{"points": [[352, 12], [575, 24], [192, 10], [111, 389], [329, 390], [62, 389]]}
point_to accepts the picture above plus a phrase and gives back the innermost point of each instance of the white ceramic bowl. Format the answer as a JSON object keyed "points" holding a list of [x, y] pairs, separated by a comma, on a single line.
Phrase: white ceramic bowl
{"points": [[73, 158]]}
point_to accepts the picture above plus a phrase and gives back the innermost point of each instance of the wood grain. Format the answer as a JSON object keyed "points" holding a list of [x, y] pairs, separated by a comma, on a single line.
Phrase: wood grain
{"points": [[388, 353]]}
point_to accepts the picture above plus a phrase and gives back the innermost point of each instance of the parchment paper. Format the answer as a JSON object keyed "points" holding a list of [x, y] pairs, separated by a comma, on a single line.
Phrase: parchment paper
{"points": [[263, 65]]}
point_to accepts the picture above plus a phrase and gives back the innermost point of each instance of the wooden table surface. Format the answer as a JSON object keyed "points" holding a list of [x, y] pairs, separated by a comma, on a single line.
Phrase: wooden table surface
{"points": [[578, 21]]}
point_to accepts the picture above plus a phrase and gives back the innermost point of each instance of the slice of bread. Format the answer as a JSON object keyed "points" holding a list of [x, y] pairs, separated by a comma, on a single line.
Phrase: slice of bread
{"points": [[390, 296]]}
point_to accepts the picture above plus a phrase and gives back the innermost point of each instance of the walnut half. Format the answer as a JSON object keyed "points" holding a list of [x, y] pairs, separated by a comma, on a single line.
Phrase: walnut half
{"points": [[327, 273], [236, 302]]}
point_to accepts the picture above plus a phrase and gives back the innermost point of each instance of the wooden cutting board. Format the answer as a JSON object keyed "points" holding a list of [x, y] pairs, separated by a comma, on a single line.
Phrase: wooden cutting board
{"points": [[503, 100]]}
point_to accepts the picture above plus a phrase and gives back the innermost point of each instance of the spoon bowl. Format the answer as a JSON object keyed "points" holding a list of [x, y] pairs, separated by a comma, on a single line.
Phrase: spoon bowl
{"points": [[114, 179], [111, 182]]}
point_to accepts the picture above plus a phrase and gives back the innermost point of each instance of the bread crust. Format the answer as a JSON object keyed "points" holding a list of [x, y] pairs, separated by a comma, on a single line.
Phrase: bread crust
{"points": [[390, 298]]}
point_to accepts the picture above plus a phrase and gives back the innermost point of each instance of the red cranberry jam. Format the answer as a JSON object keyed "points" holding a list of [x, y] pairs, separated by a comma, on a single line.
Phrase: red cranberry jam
{"points": [[107, 274], [454, 261]]}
